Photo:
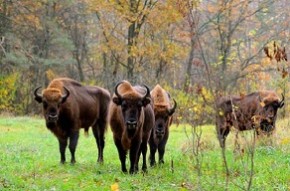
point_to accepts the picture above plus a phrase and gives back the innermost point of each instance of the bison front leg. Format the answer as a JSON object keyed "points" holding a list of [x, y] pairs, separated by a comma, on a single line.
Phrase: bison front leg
{"points": [[134, 151], [73, 144], [122, 154], [161, 150], [153, 150], [62, 147], [144, 151]]}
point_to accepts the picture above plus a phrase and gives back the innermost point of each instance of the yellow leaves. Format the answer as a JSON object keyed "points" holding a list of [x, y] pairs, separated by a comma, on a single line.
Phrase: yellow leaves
{"points": [[285, 141], [115, 187], [29, 18], [7, 91], [134, 51], [221, 113], [252, 32], [50, 74]]}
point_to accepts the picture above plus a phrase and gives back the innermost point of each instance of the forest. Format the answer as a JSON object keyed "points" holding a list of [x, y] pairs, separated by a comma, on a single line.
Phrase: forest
{"points": [[198, 50]]}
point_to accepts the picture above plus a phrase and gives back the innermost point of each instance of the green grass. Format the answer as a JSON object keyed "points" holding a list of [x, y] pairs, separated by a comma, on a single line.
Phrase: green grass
{"points": [[29, 160]]}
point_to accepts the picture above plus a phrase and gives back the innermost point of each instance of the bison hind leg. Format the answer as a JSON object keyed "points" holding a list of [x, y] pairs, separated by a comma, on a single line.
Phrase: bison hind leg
{"points": [[99, 133]]}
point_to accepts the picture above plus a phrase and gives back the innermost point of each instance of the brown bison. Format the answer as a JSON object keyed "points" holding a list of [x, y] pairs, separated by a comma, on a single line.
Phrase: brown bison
{"points": [[69, 106], [163, 111], [131, 119], [257, 111]]}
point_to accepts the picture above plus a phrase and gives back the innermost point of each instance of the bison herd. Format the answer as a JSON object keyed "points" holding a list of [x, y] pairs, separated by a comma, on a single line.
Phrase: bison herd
{"points": [[138, 116]]}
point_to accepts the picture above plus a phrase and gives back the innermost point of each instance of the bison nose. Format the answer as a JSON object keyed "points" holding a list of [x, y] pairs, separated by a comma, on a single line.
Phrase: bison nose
{"points": [[271, 118], [131, 124], [159, 131], [52, 118]]}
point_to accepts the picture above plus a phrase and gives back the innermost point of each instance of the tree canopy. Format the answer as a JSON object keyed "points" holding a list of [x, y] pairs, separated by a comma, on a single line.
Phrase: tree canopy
{"points": [[219, 47]]}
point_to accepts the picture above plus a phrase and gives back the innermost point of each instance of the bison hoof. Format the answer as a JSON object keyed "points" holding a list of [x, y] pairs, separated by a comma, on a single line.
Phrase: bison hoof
{"points": [[125, 171], [144, 169], [133, 171], [100, 160], [72, 162], [152, 164]]}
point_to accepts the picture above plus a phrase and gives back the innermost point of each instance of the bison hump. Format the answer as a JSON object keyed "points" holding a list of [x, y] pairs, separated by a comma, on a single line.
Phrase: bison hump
{"points": [[160, 97]]}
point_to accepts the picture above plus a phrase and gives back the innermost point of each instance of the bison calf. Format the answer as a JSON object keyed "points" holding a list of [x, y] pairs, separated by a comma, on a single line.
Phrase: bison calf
{"points": [[163, 118], [257, 110], [69, 106], [131, 119]]}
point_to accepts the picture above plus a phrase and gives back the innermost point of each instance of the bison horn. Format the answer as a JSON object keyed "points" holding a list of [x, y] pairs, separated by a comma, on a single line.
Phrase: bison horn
{"points": [[38, 97], [281, 104], [67, 93], [148, 91], [171, 110], [116, 90]]}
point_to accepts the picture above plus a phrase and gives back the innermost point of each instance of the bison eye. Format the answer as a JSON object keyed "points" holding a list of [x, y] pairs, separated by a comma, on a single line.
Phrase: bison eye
{"points": [[124, 104], [140, 104], [45, 104]]}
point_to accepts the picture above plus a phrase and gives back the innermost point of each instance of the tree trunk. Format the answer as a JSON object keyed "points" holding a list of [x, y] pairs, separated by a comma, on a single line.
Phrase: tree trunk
{"points": [[187, 80], [130, 60]]}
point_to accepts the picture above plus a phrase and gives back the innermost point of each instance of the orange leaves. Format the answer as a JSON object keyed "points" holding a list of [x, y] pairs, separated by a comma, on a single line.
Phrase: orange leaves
{"points": [[278, 54]]}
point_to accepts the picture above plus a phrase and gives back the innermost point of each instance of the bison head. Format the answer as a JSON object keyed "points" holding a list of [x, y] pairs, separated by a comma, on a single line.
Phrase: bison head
{"points": [[163, 119], [132, 104], [268, 113], [51, 99]]}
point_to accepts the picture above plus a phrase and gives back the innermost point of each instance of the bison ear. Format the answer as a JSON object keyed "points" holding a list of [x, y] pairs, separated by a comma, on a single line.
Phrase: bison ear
{"points": [[146, 101], [117, 100]]}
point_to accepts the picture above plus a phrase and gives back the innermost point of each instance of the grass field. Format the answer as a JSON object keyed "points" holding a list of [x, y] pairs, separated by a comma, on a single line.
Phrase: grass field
{"points": [[29, 160]]}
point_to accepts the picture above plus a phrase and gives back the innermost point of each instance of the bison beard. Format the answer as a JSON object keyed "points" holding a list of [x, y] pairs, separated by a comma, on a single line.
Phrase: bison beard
{"points": [[131, 119], [69, 106], [257, 111]]}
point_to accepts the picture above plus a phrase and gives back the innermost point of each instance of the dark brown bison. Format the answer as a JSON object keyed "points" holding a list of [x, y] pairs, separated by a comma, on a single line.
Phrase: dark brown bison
{"points": [[163, 111], [131, 119], [69, 106], [257, 111]]}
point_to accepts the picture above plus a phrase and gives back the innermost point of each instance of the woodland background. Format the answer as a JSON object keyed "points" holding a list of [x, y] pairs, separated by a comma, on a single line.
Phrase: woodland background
{"points": [[198, 50]]}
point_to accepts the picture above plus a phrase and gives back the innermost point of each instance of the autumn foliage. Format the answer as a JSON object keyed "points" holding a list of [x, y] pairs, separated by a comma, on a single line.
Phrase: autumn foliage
{"points": [[184, 44]]}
